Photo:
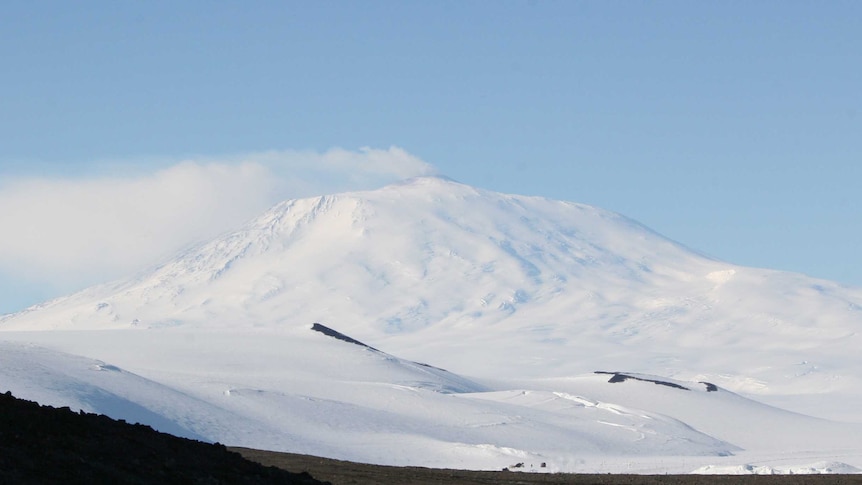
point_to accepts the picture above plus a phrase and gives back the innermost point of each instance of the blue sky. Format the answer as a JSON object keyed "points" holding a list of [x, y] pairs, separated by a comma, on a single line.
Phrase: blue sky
{"points": [[732, 127]]}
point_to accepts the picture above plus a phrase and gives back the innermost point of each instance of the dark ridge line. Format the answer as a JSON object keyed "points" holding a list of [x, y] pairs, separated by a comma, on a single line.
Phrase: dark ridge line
{"points": [[621, 377], [317, 327], [430, 366], [710, 387]]}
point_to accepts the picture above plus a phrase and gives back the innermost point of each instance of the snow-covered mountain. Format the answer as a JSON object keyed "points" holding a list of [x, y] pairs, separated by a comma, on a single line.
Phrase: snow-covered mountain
{"points": [[426, 252], [525, 295]]}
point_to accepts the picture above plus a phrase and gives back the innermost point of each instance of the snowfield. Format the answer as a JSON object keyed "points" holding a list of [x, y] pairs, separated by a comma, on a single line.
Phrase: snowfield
{"points": [[706, 367]]}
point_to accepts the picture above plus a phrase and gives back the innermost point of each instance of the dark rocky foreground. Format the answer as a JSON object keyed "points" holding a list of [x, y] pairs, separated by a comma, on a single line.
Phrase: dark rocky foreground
{"points": [[344, 472], [46, 445]]}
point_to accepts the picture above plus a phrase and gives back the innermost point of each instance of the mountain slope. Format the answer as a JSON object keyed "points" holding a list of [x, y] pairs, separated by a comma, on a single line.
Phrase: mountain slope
{"points": [[389, 255], [302, 391], [42, 445]]}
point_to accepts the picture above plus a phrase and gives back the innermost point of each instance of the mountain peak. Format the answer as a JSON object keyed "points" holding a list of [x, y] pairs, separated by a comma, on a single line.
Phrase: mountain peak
{"points": [[428, 184], [397, 259], [428, 180]]}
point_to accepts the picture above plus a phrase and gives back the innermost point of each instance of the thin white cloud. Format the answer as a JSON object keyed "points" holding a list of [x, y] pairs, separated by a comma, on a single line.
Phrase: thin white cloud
{"points": [[305, 173], [71, 232]]}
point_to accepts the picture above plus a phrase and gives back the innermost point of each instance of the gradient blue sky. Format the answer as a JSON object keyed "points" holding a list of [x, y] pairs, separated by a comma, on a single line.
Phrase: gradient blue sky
{"points": [[733, 127]]}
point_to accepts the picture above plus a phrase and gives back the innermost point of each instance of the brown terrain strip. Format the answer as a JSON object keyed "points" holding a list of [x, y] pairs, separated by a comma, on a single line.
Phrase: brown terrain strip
{"points": [[347, 473]]}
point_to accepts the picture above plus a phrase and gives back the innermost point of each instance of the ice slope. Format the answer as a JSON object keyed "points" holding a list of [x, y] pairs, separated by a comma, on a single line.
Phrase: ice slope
{"points": [[305, 392], [59, 379], [765, 433]]}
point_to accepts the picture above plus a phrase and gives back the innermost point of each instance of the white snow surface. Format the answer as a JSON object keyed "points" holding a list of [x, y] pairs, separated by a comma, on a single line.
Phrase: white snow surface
{"points": [[812, 469], [520, 298]]}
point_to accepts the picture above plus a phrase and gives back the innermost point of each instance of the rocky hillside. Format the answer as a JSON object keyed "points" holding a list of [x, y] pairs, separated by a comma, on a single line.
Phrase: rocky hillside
{"points": [[43, 445]]}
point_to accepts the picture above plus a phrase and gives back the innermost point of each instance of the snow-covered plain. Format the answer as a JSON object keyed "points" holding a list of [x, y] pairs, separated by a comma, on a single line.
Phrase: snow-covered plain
{"points": [[520, 298]]}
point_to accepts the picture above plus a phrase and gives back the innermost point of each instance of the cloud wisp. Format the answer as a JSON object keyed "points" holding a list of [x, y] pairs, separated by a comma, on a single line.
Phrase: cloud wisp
{"points": [[67, 233]]}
